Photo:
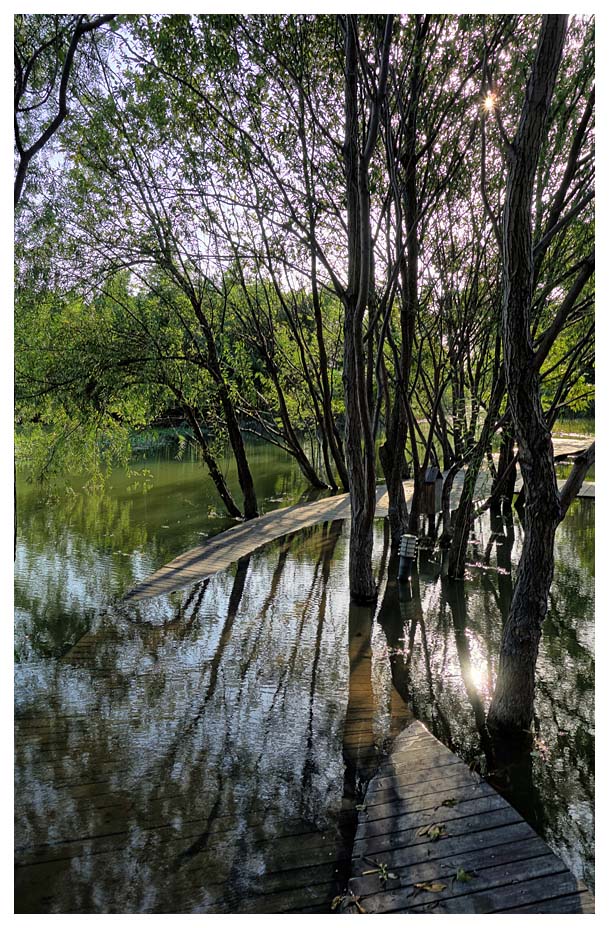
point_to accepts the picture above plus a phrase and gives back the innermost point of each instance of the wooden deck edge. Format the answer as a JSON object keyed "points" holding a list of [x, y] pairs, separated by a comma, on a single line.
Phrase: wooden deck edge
{"points": [[518, 871]]}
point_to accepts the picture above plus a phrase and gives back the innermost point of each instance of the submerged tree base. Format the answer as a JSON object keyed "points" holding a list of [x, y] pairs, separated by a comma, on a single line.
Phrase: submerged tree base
{"points": [[364, 599]]}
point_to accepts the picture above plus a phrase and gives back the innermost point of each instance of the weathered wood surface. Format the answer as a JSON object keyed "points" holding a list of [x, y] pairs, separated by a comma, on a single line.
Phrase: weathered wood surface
{"points": [[567, 447], [586, 491], [226, 547], [503, 864]]}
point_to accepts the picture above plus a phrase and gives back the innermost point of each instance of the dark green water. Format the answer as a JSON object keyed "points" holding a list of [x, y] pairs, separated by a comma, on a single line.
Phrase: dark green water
{"points": [[199, 752], [80, 549]]}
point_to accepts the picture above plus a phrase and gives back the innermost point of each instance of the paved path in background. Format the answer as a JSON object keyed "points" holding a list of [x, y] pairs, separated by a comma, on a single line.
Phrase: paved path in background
{"points": [[226, 547]]}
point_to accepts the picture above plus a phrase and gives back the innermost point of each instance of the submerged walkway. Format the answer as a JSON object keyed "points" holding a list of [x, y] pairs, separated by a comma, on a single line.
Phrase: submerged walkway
{"points": [[434, 838], [226, 547]]}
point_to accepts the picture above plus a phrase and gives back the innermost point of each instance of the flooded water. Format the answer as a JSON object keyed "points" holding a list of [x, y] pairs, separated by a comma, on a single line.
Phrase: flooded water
{"points": [[205, 751], [80, 549]]}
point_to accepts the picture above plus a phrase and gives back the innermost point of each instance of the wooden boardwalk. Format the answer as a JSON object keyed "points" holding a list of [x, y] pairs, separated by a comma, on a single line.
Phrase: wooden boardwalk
{"points": [[434, 838], [568, 447], [226, 547]]}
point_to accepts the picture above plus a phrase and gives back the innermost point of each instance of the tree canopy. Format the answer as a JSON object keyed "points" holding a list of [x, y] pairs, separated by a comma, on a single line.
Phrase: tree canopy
{"points": [[298, 225]]}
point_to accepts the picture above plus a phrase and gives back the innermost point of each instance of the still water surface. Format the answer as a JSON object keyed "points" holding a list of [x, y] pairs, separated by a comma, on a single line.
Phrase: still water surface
{"points": [[204, 751], [79, 549]]}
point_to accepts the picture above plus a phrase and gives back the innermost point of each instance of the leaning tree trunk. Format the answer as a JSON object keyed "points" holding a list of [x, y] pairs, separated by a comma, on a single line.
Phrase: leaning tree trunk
{"points": [[214, 471], [246, 481], [294, 446], [512, 705], [244, 474]]}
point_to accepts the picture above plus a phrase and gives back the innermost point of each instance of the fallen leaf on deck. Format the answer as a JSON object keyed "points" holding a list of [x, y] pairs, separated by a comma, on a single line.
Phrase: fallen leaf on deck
{"points": [[430, 887], [449, 803]]}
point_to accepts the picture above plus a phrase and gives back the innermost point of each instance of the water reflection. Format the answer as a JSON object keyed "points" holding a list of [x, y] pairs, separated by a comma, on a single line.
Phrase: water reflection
{"points": [[79, 548], [187, 754], [205, 751], [452, 661]]}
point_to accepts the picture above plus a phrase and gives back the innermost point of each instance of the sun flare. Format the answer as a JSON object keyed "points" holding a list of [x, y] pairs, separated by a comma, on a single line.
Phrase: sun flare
{"points": [[490, 102]]}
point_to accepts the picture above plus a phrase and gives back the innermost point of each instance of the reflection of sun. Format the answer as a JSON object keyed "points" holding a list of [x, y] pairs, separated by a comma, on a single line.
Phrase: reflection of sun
{"points": [[478, 667], [490, 102]]}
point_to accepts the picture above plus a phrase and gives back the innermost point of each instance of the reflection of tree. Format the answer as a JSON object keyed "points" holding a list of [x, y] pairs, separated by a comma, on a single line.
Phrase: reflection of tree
{"points": [[579, 533], [69, 561], [398, 618], [220, 758], [549, 778], [454, 592], [360, 744], [401, 617], [330, 534], [80, 548], [214, 668]]}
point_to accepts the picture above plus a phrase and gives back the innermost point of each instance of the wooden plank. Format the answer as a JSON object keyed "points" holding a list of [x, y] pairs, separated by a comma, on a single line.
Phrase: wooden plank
{"points": [[480, 894], [427, 803], [509, 864], [458, 777], [566, 447], [446, 868], [577, 903], [226, 547], [528, 889], [432, 816], [396, 841]]}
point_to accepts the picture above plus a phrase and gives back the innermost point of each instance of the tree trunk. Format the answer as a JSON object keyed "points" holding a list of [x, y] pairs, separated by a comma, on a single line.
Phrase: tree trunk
{"points": [[359, 438], [246, 482], [331, 439], [505, 481], [465, 511], [214, 471], [296, 449], [391, 454], [512, 705], [360, 463], [447, 530], [406, 210]]}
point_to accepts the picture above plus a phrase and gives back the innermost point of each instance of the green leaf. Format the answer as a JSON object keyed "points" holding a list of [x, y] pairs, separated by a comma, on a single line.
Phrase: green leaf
{"points": [[463, 876]]}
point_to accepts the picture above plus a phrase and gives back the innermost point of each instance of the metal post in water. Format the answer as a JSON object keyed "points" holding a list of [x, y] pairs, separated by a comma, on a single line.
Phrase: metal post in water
{"points": [[408, 552]]}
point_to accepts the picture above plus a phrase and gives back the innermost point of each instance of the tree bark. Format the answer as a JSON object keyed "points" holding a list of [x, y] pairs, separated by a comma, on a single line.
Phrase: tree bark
{"points": [[246, 481], [465, 510], [407, 211], [359, 438], [214, 471], [505, 482], [512, 705]]}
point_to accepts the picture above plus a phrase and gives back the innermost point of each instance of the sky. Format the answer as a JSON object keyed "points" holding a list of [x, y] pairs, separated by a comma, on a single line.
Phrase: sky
{"points": [[6, 367]]}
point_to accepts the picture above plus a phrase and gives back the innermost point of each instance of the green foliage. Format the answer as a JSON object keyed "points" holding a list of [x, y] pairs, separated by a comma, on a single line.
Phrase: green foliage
{"points": [[197, 213]]}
